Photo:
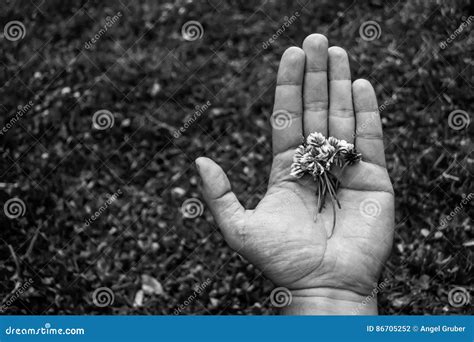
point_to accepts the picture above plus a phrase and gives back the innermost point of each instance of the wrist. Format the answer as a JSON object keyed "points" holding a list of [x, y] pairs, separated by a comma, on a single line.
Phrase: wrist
{"points": [[330, 302]]}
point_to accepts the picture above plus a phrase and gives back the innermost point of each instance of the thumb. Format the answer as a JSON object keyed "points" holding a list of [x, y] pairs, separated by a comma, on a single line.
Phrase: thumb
{"points": [[225, 207]]}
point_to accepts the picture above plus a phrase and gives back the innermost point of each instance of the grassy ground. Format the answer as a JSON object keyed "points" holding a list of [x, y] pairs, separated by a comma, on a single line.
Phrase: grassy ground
{"points": [[151, 79]]}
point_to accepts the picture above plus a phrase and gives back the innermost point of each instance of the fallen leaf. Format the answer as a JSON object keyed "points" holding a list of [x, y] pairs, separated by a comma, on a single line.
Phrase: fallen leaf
{"points": [[138, 301], [151, 286], [469, 243]]}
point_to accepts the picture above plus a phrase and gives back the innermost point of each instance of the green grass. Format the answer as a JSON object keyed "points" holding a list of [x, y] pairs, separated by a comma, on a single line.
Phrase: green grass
{"points": [[144, 72]]}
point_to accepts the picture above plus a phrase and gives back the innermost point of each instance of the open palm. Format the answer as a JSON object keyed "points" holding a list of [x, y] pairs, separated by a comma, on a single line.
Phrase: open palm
{"points": [[284, 235]]}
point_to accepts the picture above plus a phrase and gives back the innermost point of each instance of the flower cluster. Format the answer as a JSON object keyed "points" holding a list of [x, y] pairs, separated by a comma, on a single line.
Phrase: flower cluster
{"points": [[319, 154], [316, 158]]}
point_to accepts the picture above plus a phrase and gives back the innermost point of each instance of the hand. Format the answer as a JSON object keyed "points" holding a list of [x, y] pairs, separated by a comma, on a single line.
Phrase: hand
{"points": [[327, 270]]}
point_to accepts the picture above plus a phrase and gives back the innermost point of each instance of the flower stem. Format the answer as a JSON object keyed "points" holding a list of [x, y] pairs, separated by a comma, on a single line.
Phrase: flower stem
{"points": [[318, 197], [334, 199]]}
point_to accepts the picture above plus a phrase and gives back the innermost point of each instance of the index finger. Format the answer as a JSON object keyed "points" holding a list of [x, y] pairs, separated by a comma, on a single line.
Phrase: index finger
{"points": [[288, 108]]}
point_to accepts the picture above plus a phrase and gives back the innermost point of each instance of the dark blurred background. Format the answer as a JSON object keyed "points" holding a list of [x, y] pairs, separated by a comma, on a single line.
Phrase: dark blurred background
{"points": [[153, 248]]}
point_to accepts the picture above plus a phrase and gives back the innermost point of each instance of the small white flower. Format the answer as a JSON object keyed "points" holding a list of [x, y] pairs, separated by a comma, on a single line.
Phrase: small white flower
{"points": [[315, 139], [324, 152], [318, 170], [299, 153], [296, 170], [345, 146]]}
